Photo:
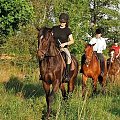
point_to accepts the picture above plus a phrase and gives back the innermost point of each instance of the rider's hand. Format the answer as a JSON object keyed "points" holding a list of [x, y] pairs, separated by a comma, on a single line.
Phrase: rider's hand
{"points": [[117, 56], [63, 45]]}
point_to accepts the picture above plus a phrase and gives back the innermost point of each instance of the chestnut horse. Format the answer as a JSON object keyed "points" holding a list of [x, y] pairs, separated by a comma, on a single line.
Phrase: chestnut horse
{"points": [[52, 67], [113, 65], [91, 69]]}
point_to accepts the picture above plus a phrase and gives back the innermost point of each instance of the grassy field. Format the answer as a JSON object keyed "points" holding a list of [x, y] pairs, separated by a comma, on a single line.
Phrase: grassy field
{"points": [[22, 98]]}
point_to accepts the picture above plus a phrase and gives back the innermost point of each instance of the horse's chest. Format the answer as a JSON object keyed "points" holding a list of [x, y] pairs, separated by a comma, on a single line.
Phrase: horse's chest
{"points": [[87, 70], [91, 70]]}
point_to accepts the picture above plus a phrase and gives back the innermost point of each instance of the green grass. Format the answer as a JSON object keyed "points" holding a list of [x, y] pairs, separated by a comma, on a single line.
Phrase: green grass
{"points": [[24, 99]]}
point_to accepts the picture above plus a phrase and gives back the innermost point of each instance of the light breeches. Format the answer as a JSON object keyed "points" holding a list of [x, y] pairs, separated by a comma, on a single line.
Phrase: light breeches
{"points": [[68, 56]]}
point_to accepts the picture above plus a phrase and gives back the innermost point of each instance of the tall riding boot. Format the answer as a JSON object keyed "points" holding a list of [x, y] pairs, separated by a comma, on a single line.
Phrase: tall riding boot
{"points": [[102, 66], [67, 73]]}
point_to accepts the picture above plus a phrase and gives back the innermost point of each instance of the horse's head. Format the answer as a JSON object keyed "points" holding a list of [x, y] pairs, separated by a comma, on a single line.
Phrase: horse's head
{"points": [[88, 53], [112, 55], [46, 43]]}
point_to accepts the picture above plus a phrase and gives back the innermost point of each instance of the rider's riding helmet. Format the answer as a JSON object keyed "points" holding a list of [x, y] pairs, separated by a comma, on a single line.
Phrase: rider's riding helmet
{"points": [[63, 17], [98, 31]]}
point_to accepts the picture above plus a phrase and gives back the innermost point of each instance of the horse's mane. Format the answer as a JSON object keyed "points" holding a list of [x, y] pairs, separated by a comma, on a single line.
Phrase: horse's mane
{"points": [[43, 31], [88, 45]]}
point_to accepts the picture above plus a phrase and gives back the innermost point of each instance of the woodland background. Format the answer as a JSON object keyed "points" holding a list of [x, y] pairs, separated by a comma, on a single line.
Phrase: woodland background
{"points": [[21, 94], [19, 19]]}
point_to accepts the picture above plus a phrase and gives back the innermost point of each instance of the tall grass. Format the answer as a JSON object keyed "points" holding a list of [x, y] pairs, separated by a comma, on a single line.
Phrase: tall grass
{"points": [[23, 98]]}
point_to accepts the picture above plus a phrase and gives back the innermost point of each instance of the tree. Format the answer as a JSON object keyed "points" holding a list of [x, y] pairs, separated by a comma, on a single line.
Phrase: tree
{"points": [[85, 16], [14, 13], [105, 14]]}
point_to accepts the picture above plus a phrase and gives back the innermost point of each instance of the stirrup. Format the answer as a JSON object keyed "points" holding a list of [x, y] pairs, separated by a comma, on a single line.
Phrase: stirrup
{"points": [[102, 73], [67, 79]]}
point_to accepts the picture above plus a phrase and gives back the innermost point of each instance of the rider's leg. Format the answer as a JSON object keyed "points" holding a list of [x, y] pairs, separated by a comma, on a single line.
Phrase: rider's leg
{"points": [[102, 62], [68, 56], [82, 62]]}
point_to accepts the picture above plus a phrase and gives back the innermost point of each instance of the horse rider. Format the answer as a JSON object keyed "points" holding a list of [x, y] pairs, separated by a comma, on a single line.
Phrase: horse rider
{"points": [[100, 45], [116, 49], [63, 38]]}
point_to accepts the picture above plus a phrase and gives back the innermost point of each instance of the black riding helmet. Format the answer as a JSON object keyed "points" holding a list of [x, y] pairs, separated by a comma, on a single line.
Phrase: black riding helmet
{"points": [[98, 31], [63, 17]]}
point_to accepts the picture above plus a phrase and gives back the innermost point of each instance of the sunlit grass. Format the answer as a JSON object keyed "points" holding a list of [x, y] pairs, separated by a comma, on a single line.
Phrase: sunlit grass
{"points": [[23, 98]]}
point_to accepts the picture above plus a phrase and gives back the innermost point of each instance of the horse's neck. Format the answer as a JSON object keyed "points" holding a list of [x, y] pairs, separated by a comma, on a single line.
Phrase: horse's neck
{"points": [[51, 60]]}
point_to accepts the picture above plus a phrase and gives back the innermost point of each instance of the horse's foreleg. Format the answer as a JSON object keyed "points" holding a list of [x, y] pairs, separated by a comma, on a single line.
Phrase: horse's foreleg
{"points": [[47, 91], [102, 81], [94, 85], [62, 87], [56, 85], [84, 80]]}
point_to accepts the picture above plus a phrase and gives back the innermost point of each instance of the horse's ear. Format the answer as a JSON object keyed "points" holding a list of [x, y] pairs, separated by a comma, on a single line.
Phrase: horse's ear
{"points": [[92, 44], [37, 28]]}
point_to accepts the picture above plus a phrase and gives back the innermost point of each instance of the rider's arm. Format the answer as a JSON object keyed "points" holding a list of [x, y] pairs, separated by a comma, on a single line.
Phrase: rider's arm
{"points": [[71, 41], [92, 41], [104, 44]]}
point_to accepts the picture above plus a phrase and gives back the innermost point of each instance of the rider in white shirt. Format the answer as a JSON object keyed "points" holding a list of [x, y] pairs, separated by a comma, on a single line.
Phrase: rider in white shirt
{"points": [[100, 45]]}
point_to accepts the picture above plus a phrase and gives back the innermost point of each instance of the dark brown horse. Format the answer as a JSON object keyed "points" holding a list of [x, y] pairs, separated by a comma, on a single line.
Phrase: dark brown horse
{"points": [[91, 69], [113, 65], [52, 67]]}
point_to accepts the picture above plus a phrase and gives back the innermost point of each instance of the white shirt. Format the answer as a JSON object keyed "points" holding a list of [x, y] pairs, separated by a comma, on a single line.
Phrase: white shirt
{"points": [[100, 44]]}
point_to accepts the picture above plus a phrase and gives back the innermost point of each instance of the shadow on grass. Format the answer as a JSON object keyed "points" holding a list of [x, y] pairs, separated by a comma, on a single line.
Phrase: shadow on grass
{"points": [[115, 106], [26, 90]]}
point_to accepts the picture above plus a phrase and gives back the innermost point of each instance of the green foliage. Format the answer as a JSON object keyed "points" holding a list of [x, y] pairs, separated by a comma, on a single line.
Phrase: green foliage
{"points": [[46, 13], [14, 13], [23, 43], [106, 14]]}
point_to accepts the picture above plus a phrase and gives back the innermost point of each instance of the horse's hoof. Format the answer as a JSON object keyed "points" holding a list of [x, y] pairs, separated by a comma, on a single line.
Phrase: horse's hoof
{"points": [[102, 74], [66, 80], [65, 98], [104, 92]]}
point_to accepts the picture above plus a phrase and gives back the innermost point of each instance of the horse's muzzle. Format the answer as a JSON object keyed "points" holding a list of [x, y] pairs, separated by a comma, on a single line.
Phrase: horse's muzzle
{"points": [[87, 62], [40, 55]]}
